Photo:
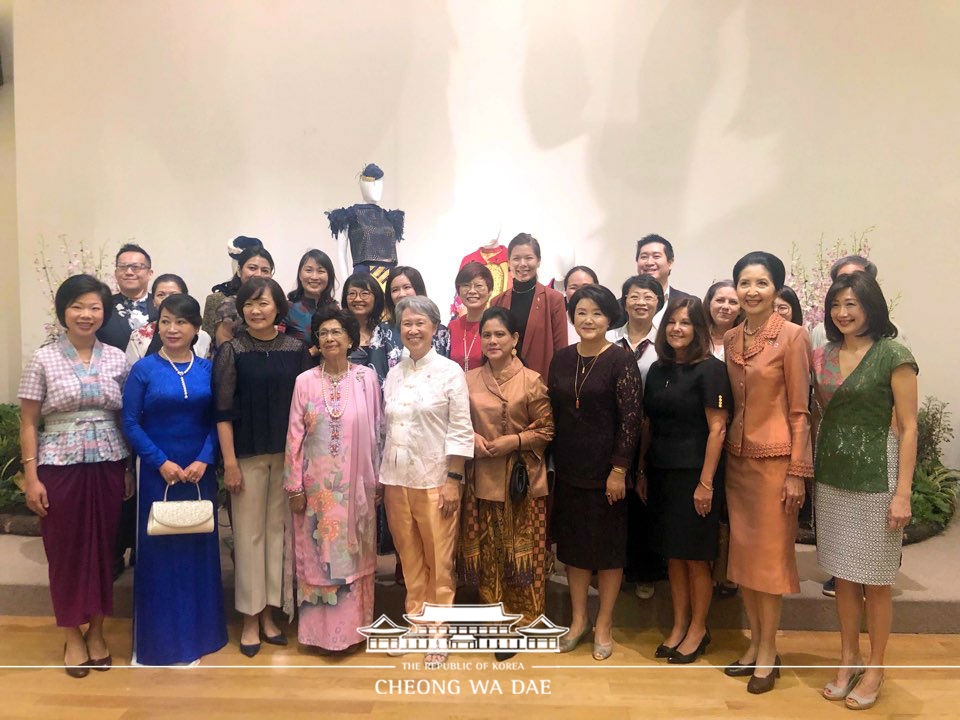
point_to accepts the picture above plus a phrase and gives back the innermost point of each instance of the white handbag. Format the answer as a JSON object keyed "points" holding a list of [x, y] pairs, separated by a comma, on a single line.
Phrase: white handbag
{"points": [[180, 517]]}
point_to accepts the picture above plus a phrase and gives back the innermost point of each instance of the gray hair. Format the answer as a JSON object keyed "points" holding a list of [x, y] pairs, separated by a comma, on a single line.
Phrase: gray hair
{"points": [[868, 267], [418, 305]]}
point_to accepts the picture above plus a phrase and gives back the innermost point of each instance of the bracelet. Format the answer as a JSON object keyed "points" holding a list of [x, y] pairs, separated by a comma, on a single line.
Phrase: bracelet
{"points": [[519, 442], [619, 470], [29, 459], [705, 486], [292, 495]]}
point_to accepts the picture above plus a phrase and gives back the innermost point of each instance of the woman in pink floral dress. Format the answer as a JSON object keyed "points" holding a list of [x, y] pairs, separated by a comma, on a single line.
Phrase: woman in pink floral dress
{"points": [[330, 475]]}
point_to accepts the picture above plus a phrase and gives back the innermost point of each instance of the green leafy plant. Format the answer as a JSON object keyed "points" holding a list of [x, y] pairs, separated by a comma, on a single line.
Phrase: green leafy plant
{"points": [[935, 488], [10, 467]]}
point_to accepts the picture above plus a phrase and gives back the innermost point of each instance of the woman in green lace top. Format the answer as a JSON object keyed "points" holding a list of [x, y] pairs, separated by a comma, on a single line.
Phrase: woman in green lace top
{"points": [[863, 468]]}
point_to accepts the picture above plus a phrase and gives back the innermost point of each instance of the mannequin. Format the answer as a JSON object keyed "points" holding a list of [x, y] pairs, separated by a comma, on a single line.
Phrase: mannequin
{"points": [[494, 256], [366, 234]]}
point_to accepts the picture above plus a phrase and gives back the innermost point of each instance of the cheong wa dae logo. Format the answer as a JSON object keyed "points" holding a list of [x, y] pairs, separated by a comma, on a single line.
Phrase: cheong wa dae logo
{"points": [[463, 628]]}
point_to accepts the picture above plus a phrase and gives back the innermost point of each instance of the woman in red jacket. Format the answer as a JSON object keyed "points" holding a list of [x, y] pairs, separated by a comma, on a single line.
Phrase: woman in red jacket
{"points": [[537, 309]]}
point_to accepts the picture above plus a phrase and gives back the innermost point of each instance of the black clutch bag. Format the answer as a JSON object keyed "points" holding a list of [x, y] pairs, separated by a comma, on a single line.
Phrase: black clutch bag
{"points": [[519, 480]]}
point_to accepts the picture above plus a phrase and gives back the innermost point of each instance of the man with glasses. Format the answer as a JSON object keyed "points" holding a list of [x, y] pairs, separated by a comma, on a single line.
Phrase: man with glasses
{"points": [[132, 309], [132, 306]]}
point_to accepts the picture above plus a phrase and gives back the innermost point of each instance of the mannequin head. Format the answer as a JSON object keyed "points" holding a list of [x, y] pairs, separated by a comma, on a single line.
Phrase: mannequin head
{"points": [[371, 184]]}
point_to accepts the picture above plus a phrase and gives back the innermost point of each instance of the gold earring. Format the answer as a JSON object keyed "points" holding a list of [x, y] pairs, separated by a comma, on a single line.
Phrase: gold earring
{"points": [[514, 352]]}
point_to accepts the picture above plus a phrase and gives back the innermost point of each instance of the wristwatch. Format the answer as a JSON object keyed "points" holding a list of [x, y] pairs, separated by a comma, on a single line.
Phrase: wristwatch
{"points": [[456, 476]]}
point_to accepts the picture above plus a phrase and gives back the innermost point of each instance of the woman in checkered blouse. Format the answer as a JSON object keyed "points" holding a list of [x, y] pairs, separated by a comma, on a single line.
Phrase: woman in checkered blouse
{"points": [[75, 469]]}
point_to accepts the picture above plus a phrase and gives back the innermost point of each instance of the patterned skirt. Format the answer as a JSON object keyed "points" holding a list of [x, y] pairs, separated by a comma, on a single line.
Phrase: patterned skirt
{"points": [[503, 551], [853, 542]]}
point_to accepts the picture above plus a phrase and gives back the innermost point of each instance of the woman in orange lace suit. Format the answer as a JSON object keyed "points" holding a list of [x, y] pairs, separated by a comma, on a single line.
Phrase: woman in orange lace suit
{"points": [[768, 455]]}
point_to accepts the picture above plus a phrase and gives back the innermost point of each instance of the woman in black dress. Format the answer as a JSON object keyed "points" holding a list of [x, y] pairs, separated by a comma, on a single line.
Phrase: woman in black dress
{"points": [[597, 398], [686, 400]]}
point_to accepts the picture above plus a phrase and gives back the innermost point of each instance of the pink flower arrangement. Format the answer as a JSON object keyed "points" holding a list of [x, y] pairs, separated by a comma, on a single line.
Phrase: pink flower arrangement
{"points": [[71, 259], [811, 284]]}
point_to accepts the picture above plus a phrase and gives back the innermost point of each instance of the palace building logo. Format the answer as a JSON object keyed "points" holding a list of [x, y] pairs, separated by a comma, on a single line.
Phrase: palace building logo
{"points": [[463, 628]]}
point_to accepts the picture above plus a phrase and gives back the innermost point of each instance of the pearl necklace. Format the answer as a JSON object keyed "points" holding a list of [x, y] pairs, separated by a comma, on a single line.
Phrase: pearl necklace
{"points": [[180, 373], [335, 405]]}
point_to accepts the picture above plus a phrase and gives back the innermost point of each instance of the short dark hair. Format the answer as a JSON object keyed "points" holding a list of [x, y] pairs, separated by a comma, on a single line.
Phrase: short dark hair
{"points": [[324, 261], [701, 345], [499, 313], [411, 274], [365, 281], [347, 321], [644, 282], [77, 285], [524, 239], [773, 264], [254, 288], [708, 298], [184, 307], [580, 268], [168, 277], [470, 271], [867, 266], [605, 300], [867, 290], [647, 239], [132, 247], [787, 294]]}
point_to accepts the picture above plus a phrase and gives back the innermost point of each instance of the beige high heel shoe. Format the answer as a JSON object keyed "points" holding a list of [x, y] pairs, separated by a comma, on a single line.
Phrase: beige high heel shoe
{"points": [[835, 692], [855, 701]]}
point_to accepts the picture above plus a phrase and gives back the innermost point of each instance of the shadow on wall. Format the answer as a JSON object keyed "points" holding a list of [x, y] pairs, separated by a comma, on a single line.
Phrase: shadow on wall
{"points": [[737, 124]]}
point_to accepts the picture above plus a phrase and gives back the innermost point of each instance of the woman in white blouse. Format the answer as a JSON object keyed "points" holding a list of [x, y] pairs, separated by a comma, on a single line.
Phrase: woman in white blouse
{"points": [[429, 438]]}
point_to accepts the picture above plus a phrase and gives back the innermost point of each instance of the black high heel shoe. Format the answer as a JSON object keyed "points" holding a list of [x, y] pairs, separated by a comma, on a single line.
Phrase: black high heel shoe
{"points": [[250, 650], [665, 651], [278, 639], [678, 658], [760, 685]]}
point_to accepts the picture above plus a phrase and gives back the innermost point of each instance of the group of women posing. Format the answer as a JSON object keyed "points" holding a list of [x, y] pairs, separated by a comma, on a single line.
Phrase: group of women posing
{"points": [[331, 418]]}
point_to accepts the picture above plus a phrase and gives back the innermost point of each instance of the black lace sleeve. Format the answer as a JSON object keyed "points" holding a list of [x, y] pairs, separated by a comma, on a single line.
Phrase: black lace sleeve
{"points": [[630, 411], [224, 379], [307, 361]]}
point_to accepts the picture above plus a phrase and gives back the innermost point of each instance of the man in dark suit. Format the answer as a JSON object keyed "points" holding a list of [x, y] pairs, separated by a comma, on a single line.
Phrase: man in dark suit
{"points": [[132, 309], [655, 257], [132, 306]]}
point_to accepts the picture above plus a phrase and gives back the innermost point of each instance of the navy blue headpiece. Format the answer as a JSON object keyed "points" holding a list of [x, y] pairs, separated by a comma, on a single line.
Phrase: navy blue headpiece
{"points": [[241, 243], [371, 172]]}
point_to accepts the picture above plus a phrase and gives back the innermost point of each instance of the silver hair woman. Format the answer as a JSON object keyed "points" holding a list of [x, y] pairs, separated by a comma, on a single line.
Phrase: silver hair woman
{"points": [[429, 436]]}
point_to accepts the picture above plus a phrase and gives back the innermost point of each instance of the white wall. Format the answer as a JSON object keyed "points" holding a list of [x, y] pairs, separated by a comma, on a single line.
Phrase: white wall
{"points": [[725, 126], [10, 287]]}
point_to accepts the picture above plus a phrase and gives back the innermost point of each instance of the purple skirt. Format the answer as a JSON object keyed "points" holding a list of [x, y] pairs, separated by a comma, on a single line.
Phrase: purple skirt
{"points": [[80, 535]]}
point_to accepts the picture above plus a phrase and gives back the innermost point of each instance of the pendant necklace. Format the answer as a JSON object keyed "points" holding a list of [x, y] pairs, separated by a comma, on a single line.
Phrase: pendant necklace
{"points": [[585, 371], [466, 352], [180, 373], [336, 404]]}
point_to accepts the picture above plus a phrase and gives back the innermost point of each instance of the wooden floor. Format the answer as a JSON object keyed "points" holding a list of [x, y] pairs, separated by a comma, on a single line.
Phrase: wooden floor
{"points": [[293, 683]]}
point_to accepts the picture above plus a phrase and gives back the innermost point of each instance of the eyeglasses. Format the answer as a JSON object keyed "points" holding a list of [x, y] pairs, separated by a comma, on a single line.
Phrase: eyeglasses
{"points": [[478, 287], [636, 297], [333, 332], [359, 295], [135, 267]]}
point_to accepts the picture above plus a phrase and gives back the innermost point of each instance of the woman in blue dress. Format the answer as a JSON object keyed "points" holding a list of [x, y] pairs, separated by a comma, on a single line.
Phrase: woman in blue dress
{"points": [[168, 417]]}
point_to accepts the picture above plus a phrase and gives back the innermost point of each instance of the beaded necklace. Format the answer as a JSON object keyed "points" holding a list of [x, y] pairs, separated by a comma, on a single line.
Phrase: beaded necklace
{"points": [[336, 404], [179, 372]]}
